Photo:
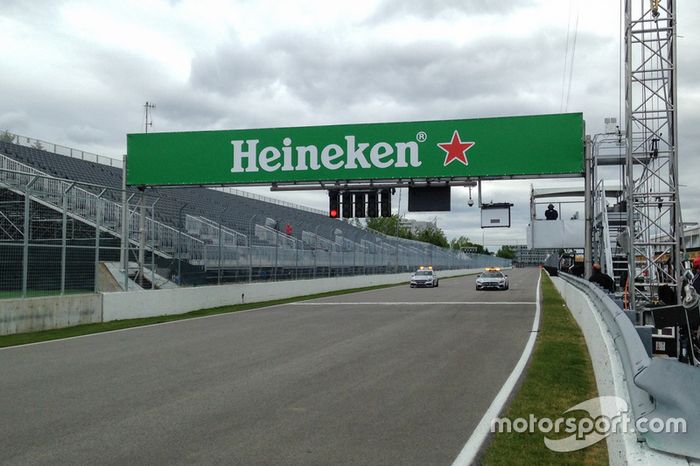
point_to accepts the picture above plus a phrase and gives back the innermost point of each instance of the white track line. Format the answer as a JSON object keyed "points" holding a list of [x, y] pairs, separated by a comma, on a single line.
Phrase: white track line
{"points": [[473, 445], [413, 303], [137, 327], [181, 321]]}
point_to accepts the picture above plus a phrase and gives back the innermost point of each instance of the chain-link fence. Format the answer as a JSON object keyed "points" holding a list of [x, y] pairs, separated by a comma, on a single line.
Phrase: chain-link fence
{"points": [[61, 236]]}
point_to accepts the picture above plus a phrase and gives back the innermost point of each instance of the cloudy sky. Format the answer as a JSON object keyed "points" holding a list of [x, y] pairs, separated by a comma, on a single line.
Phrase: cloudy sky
{"points": [[78, 73]]}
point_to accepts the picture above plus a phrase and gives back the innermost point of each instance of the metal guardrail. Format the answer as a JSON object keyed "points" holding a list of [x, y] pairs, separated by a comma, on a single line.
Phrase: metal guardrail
{"points": [[85, 205], [659, 388], [63, 150]]}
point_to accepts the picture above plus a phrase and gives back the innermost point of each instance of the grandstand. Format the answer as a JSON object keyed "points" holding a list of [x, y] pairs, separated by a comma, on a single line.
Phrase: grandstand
{"points": [[208, 203], [191, 235]]}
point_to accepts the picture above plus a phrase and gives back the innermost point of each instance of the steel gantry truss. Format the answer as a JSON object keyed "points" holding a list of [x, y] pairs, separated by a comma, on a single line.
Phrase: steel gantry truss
{"points": [[653, 205]]}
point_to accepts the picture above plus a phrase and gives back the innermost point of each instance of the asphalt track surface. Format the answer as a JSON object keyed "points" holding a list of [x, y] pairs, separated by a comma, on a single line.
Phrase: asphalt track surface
{"points": [[351, 379]]}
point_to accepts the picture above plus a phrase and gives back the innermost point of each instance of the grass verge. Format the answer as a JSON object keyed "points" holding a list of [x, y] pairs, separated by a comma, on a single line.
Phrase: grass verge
{"points": [[78, 330], [559, 376]]}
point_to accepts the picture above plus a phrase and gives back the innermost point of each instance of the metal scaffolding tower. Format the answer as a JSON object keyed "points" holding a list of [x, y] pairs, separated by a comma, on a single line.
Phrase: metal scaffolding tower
{"points": [[653, 205]]}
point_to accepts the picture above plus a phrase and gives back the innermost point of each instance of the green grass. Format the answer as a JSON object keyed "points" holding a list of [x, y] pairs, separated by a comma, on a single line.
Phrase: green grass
{"points": [[559, 376]]}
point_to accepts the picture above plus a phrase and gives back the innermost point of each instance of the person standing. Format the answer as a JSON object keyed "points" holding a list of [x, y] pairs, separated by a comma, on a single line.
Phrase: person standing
{"points": [[602, 279], [696, 274], [551, 213]]}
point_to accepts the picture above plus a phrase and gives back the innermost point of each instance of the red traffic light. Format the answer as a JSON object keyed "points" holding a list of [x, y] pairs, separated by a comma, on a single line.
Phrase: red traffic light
{"points": [[334, 204]]}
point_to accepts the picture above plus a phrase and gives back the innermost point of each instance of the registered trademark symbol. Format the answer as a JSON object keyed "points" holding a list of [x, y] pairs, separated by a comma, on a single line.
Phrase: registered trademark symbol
{"points": [[421, 136]]}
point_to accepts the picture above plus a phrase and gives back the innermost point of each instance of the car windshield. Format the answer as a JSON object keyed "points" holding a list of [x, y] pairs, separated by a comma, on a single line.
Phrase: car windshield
{"points": [[492, 275], [424, 272]]}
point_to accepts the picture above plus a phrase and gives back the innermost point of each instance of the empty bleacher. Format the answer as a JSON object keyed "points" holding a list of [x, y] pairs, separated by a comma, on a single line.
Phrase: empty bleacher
{"points": [[236, 212], [199, 235]]}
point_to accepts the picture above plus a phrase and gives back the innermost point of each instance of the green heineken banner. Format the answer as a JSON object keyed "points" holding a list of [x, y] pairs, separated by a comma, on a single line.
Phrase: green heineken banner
{"points": [[485, 147]]}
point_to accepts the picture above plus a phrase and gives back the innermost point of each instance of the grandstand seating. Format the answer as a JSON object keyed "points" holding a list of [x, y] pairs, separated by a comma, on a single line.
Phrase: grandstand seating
{"points": [[181, 233], [236, 212]]}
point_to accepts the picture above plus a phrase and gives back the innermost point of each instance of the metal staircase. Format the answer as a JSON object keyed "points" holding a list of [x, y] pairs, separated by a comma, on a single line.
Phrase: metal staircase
{"points": [[95, 209], [610, 228]]}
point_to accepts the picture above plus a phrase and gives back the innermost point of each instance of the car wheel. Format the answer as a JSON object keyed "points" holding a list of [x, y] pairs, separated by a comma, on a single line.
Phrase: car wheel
{"points": [[413, 286]]}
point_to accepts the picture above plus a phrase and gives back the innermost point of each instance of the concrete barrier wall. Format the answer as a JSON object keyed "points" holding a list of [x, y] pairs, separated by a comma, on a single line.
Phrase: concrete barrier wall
{"points": [[135, 304], [50, 312]]}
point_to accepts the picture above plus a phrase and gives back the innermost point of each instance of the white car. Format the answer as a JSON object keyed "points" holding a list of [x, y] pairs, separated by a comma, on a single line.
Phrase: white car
{"points": [[424, 276], [492, 278]]}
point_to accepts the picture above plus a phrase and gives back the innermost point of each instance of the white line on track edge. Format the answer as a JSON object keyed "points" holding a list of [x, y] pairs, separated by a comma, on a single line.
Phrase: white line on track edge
{"points": [[473, 445], [178, 321], [413, 303]]}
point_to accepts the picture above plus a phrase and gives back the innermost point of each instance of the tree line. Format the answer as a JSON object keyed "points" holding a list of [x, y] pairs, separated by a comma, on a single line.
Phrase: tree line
{"points": [[392, 226]]}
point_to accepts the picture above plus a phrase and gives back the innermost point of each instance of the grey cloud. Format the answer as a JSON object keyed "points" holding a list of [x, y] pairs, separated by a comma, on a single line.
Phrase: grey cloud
{"points": [[390, 9], [85, 134], [298, 78], [21, 9], [497, 73], [16, 121]]}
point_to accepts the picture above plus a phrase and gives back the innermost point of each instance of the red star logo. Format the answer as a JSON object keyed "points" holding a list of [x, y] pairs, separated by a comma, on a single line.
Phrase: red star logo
{"points": [[456, 150]]}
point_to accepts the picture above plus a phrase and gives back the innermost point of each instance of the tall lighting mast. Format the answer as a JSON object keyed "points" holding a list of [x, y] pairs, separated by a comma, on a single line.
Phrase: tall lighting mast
{"points": [[651, 176]]}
